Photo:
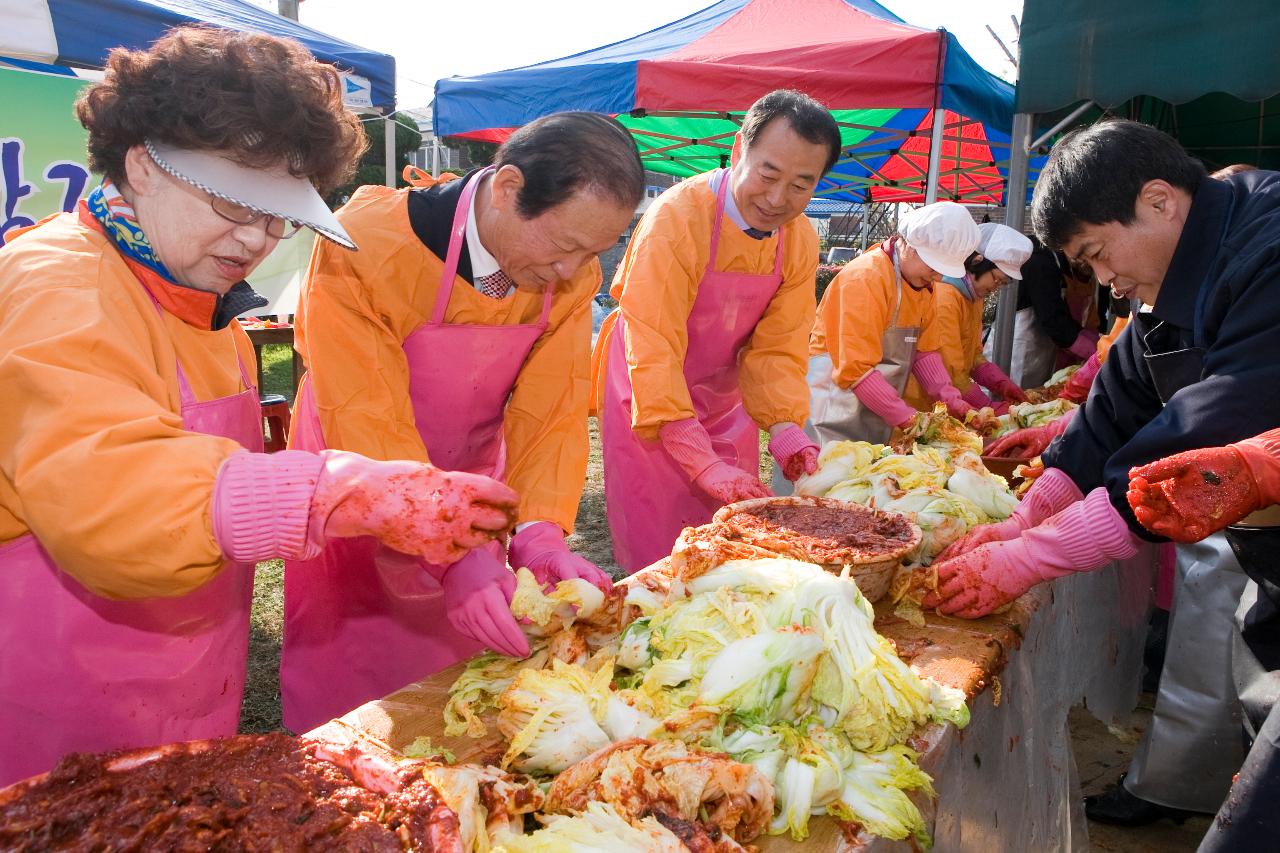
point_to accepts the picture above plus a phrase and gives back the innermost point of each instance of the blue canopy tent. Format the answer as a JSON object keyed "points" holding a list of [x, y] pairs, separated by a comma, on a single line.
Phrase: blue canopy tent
{"points": [[80, 33], [919, 118]]}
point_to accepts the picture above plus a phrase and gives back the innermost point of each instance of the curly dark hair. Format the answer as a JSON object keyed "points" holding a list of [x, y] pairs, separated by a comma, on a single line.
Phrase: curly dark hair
{"points": [[266, 99]]}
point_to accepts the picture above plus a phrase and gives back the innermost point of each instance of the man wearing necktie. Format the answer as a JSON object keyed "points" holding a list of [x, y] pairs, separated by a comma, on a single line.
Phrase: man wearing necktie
{"points": [[707, 348], [460, 334]]}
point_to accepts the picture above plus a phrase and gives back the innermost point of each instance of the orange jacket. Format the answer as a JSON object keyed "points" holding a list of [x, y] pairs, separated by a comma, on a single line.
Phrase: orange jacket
{"points": [[357, 308], [959, 325], [857, 309], [93, 457], [657, 282]]}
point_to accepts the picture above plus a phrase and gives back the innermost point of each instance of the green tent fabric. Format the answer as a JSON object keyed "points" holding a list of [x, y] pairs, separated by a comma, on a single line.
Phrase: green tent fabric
{"points": [[1175, 50]]}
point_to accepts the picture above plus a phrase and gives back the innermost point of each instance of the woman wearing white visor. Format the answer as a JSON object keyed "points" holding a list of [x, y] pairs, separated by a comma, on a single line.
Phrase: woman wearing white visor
{"points": [[876, 328], [958, 305], [134, 496]]}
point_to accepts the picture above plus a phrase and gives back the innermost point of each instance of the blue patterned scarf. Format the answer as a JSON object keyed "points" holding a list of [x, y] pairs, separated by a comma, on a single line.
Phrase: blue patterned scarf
{"points": [[121, 224]]}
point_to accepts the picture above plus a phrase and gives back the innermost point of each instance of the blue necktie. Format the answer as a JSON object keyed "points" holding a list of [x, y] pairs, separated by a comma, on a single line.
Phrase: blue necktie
{"points": [[757, 234]]}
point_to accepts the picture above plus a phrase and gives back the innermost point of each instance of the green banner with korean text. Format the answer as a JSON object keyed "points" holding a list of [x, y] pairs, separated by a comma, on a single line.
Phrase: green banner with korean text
{"points": [[43, 164]]}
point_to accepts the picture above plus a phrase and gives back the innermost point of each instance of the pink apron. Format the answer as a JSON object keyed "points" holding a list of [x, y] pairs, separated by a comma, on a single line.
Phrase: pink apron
{"points": [[649, 497], [82, 673], [361, 620]]}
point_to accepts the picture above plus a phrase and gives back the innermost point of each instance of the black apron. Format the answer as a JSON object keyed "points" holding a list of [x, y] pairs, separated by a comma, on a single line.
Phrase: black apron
{"points": [[1250, 817], [1174, 361]]}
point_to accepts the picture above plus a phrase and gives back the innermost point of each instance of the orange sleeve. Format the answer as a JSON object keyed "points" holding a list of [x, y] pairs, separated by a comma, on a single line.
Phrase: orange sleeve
{"points": [[353, 316], [950, 317], [655, 285], [774, 362], [1106, 341], [546, 418], [854, 314], [94, 459]]}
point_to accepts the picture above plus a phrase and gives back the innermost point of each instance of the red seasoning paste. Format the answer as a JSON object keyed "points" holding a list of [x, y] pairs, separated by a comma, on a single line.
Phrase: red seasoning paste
{"points": [[831, 535], [251, 793]]}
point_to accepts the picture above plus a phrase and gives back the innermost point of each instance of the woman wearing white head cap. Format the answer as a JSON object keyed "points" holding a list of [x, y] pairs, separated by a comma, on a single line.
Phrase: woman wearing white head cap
{"points": [[135, 498], [876, 328], [958, 305]]}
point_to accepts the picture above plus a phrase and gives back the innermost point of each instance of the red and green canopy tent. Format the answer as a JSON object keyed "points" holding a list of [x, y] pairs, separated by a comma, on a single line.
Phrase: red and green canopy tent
{"points": [[898, 92]]}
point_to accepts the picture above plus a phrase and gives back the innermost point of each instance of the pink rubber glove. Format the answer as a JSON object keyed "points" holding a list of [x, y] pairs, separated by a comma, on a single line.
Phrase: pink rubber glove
{"points": [[1081, 538], [795, 453], [931, 373], [689, 445], [977, 398], [989, 375], [1052, 492], [289, 504], [1001, 408], [477, 601], [875, 392], [541, 549], [1077, 388], [1085, 344], [1030, 442]]}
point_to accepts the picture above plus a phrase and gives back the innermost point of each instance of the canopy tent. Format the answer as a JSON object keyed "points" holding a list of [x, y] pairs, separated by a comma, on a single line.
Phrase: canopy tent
{"points": [[79, 33], [900, 93], [1208, 74]]}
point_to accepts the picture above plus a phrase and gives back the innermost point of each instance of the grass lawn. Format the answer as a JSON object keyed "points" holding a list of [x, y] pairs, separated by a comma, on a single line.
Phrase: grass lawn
{"points": [[277, 370]]}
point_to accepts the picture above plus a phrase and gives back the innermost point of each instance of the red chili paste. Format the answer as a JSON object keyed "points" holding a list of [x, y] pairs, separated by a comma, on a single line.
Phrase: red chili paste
{"points": [[826, 534], [250, 793]]}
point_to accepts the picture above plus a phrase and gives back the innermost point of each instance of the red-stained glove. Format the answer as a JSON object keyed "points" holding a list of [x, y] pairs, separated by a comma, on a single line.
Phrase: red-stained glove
{"points": [[689, 445], [1081, 538], [541, 549], [1030, 442], [1051, 493], [1195, 493], [795, 453], [290, 504], [1077, 388], [477, 602]]}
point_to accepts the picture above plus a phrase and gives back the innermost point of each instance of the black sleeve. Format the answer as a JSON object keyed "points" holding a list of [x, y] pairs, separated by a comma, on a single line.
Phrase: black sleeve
{"points": [[1042, 286], [1104, 309]]}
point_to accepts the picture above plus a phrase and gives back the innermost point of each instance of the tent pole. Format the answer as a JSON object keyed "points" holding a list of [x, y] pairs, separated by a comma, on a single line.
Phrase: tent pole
{"points": [[935, 155], [1015, 200], [866, 227], [1060, 126], [389, 132], [435, 157]]}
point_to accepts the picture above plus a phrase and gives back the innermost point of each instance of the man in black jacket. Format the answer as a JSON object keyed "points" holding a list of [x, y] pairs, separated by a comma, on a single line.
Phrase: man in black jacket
{"points": [[1198, 366]]}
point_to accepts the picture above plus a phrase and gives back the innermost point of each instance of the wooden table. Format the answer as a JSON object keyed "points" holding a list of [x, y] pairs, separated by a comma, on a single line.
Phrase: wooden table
{"points": [[277, 335], [1003, 783]]}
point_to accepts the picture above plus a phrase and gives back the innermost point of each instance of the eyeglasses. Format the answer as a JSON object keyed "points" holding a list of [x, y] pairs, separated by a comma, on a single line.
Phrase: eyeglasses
{"points": [[281, 229]]}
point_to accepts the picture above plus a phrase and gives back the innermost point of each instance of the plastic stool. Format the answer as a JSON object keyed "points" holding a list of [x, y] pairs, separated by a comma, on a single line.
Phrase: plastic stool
{"points": [[275, 413]]}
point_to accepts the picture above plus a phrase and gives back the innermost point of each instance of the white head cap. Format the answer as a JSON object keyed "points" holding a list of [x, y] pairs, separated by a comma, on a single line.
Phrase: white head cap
{"points": [[943, 234], [274, 192], [1004, 247]]}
